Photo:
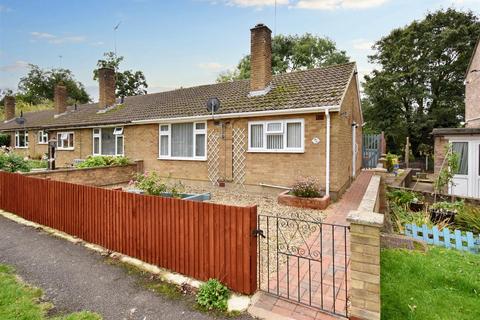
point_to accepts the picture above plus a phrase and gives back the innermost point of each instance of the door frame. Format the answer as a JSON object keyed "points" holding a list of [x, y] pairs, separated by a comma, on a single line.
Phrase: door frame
{"points": [[473, 176]]}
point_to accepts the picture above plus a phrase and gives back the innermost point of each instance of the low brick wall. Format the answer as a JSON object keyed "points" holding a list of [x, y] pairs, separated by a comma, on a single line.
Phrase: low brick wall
{"points": [[100, 176]]}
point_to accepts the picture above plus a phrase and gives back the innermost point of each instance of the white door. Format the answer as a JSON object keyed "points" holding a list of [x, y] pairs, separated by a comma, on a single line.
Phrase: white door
{"points": [[475, 165], [462, 183]]}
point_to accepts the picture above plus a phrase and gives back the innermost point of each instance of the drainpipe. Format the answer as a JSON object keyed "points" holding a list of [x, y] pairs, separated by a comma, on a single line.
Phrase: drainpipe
{"points": [[327, 155]]}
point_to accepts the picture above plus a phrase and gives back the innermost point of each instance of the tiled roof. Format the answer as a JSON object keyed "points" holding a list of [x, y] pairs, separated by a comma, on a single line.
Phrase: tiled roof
{"points": [[300, 89]]}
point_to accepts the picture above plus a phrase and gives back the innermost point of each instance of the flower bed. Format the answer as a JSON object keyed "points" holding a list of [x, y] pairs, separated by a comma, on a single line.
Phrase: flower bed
{"points": [[318, 203]]}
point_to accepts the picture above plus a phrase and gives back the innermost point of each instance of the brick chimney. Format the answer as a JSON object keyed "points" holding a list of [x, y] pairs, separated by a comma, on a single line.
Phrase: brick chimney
{"points": [[261, 57], [60, 98], [9, 103], [106, 83]]}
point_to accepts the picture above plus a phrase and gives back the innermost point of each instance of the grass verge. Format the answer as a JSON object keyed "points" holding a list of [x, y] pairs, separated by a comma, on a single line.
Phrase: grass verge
{"points": [[438, 284], [19, 301]]}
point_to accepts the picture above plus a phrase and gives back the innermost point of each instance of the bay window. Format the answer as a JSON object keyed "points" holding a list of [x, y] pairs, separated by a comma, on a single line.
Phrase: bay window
{"points": [[183, 141], [276, 136], [108, 141], [65, 141], [21, 139], [42, 137]]}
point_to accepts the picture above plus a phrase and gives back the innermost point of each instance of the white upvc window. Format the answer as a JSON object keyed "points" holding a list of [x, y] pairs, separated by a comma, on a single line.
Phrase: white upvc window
{"points": [[108, 141], [21, 139], [65, 140], [276, 136], [183, 141], [42, 137]]}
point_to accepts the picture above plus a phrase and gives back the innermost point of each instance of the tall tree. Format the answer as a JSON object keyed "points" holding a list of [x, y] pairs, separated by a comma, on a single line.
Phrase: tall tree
{"points": [[419, 85], [39, 84], [293, 52], [128, 82]]}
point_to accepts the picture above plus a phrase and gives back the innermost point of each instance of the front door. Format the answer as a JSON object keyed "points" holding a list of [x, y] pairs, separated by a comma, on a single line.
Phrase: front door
{"points": [[462, 181]]}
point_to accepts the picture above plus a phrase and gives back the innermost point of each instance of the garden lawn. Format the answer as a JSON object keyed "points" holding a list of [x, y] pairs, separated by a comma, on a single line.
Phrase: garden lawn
{"points": [[438, 284], [21, 302]]}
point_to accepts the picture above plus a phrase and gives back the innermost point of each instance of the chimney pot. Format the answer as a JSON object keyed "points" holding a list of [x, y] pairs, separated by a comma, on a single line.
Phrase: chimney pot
{"points": [[261, 57], [106, 83], [60, 99], [9, 103]]}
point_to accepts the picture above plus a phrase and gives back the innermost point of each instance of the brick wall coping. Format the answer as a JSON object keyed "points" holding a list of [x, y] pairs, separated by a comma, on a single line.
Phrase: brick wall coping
{"points": [[370, 198], [33, 173], [366, 218]]}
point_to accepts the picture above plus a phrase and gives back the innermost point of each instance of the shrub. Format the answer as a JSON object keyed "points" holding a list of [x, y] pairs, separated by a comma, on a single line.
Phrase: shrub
{"points": [[37, 164], [4, 140], [103, 161], [306, 188], [403, 197], [154, 185], [391, 160], [12, 162], [468, 219], [444, 206], [213, 295]]}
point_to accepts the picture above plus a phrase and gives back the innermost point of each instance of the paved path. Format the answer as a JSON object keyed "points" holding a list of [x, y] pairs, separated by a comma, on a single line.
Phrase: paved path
{"points": [[320, 282], [74, 278]]}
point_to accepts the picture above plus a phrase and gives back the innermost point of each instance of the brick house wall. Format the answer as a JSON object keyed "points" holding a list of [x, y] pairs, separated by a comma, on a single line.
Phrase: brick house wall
{"points": [[439, 150], [34, 150]]}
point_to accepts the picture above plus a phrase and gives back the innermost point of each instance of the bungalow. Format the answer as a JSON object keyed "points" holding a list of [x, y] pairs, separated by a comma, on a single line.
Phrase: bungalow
{"points": [[465, 141], [269, 130]]}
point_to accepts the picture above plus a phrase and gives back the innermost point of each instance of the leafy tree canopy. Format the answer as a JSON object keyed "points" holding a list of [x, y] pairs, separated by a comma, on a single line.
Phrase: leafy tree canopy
{"points": [[39, 85], [293, 52], [419, 85], [128, 82]]}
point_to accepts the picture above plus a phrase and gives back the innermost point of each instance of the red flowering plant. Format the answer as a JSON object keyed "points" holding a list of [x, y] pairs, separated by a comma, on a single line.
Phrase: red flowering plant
{"points": [[306, 187]]}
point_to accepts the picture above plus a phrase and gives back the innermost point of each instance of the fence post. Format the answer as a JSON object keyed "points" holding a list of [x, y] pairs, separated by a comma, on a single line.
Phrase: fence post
{"points": [[365, 264]]}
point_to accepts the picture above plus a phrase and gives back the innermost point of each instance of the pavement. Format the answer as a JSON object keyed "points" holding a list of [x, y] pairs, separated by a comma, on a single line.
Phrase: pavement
{"points": [[75, 278]]}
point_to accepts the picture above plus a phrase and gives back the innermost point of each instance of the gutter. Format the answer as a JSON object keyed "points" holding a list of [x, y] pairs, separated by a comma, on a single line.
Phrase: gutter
{"points": [[242, 114]]}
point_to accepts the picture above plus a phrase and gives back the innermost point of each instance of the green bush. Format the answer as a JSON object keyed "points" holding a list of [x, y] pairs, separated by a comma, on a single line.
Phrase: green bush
{"points": [[468, 219], [391, 160], [103, 161], [213, 295], [154, 185], [37, 164], [12, 162], [403, 197], [306, 188], [456, 206]]}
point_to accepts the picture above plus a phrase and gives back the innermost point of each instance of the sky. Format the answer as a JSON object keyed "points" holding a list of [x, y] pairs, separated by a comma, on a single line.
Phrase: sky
{"points": [[185, 42]]}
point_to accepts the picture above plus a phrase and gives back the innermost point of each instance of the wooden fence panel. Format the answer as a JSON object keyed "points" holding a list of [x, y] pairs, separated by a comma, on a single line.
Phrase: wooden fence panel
{"points": [[201, 240]]}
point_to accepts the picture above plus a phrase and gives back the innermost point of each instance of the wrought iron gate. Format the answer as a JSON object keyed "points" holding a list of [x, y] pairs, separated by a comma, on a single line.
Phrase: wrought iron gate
{"points": [[304, 261], [371, 150]]}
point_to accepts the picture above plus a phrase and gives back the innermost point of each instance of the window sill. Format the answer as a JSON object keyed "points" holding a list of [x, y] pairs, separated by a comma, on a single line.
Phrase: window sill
{"points": [[65, 149], [21, 147], [182, 159], [43, 143], [276, 151]]}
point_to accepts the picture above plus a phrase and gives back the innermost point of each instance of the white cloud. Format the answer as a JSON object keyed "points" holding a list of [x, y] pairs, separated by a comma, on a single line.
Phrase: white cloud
{"points": [[362, 44], [254, 3], [17, 65], [211, 66], [338, 4], [54, 39]]}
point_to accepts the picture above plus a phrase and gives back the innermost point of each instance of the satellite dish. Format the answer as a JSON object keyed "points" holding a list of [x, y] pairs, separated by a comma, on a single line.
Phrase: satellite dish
{"points": [[21, 119], [213, 105]]}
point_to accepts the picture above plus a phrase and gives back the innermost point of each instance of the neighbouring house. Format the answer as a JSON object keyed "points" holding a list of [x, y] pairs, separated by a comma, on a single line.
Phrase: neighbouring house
{"points": [[269, 131], [465, 141]]}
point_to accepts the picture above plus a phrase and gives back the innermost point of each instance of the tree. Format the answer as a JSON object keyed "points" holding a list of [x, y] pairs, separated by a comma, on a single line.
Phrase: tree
{"points": [[128, 82], [419, 85], [290, 53], [39, 85]]}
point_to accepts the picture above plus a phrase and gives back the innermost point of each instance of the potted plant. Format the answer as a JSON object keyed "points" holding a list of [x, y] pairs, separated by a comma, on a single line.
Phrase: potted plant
{"points": [[444, 211]]}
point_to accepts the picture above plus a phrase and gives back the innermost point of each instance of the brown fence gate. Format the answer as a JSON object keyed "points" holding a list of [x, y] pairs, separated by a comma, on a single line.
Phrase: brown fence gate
{"points": [[201, 240]]}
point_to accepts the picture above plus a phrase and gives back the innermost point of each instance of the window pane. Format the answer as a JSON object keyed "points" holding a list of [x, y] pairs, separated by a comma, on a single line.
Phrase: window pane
{"points": [[96, 145], [274, 126], [294, 135], [164, 128], [182, 140], [256, 136], [108, 142], [462, 149], [119, 145], [275, 141], [200, 145], [200, 126], [164, 145], [70, 140]]}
